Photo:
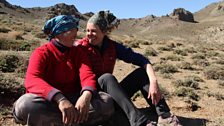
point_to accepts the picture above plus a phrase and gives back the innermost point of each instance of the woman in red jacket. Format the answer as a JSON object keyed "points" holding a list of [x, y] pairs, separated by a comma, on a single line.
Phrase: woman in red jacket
{"points": [[103, 53], [60, 84]]}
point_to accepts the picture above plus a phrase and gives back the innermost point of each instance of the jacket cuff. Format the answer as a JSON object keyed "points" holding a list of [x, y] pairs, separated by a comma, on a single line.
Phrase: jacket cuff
{"points": [[52, 93], [89, 88]]}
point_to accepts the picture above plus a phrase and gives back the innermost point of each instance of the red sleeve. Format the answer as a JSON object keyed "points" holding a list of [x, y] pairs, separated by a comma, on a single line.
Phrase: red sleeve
{"points": [[34, 81], [87, 77]]}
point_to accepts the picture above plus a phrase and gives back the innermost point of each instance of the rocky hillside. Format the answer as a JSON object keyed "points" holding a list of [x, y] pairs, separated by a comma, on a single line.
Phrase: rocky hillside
{"points": [[204, 25], [213, 12], [179, 24]]}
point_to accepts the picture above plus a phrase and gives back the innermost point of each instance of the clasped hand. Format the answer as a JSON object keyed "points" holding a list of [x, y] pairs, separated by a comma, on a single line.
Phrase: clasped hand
{"points": [[75, 114]]}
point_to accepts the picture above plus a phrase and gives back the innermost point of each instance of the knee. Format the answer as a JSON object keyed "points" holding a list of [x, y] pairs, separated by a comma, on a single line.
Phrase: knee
{"points": [[106, 79], [23, 103], [140, 71], [141, 74], [25, 106], [108, 108]]}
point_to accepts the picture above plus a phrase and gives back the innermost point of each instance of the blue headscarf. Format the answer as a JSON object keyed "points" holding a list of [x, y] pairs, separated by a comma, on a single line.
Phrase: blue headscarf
{"points": [[60, 24]]}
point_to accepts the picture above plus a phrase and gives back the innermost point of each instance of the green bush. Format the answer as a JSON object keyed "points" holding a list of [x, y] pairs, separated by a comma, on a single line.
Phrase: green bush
{"points": [[165, 92], [201, 62], [134, 45], [180, 52], [40, 35], [165, 48], [17, 45], [195, 78], [173, 58], [6, 44], [187, 92], [214, 72], [188, 82], [221, 83], [166, 68], [212, 54], [10, 87], [167, 76], [4, 30], [8, 63], [21, 70], [220, 61], [150, 52], [190, 50], [146, 43], [24, 47], [185, 65], [218, 96], [199, 56], [193, 106]]}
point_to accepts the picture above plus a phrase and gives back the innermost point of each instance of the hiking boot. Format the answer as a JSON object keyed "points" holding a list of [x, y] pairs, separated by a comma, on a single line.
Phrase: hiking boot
{"points": [[172, 120]]}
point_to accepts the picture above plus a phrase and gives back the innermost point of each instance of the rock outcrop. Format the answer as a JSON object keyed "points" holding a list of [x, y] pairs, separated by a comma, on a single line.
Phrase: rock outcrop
{"points": [[182, 14], [63, 9]]}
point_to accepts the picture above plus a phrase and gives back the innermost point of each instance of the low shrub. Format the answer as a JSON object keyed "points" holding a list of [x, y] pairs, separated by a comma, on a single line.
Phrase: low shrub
{"points": [[218, 96], [165, 48], [195, 78], [166, 68], [146, 43], [167, 76], [220, 61], [190, 50], [221, 83], [25, 47], [186, 65], [187, 92], [4, 30], [214, 72], [134, 45], [201, 62], [180, 52], [8, 63], [173, 58], [10, 87], [40, 35], [193, 106], [150, 52], [21, 70], [188, 82], [199, 56], [17, 45]]}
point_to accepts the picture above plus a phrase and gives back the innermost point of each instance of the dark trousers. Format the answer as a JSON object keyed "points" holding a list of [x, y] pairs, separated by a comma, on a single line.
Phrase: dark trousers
{"points": [[121, 93], [33, 110]]}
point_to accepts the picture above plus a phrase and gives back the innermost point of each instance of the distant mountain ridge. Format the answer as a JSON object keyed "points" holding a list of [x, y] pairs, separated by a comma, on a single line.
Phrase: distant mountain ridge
{"points": [[213, 9], [179, 24]]}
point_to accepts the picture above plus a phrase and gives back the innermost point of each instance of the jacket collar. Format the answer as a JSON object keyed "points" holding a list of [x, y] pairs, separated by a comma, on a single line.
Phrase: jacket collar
{"points": [[59, 46]]}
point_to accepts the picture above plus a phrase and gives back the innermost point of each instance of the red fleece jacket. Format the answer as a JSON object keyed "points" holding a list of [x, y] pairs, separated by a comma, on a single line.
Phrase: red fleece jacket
{"points": [[51, 71]]}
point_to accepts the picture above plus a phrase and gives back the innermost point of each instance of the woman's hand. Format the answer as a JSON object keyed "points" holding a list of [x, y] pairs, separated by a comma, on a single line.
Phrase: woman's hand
{"points": [[82, 105], [69, 112], [154, 92]]}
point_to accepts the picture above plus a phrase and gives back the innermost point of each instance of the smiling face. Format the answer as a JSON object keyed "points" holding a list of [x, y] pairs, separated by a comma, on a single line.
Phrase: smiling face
{"points": [[68, 38], [94, 34]]}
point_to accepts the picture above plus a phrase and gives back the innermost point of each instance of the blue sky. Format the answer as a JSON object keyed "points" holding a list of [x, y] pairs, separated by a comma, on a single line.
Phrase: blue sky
{"points": [[123, 8]]}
